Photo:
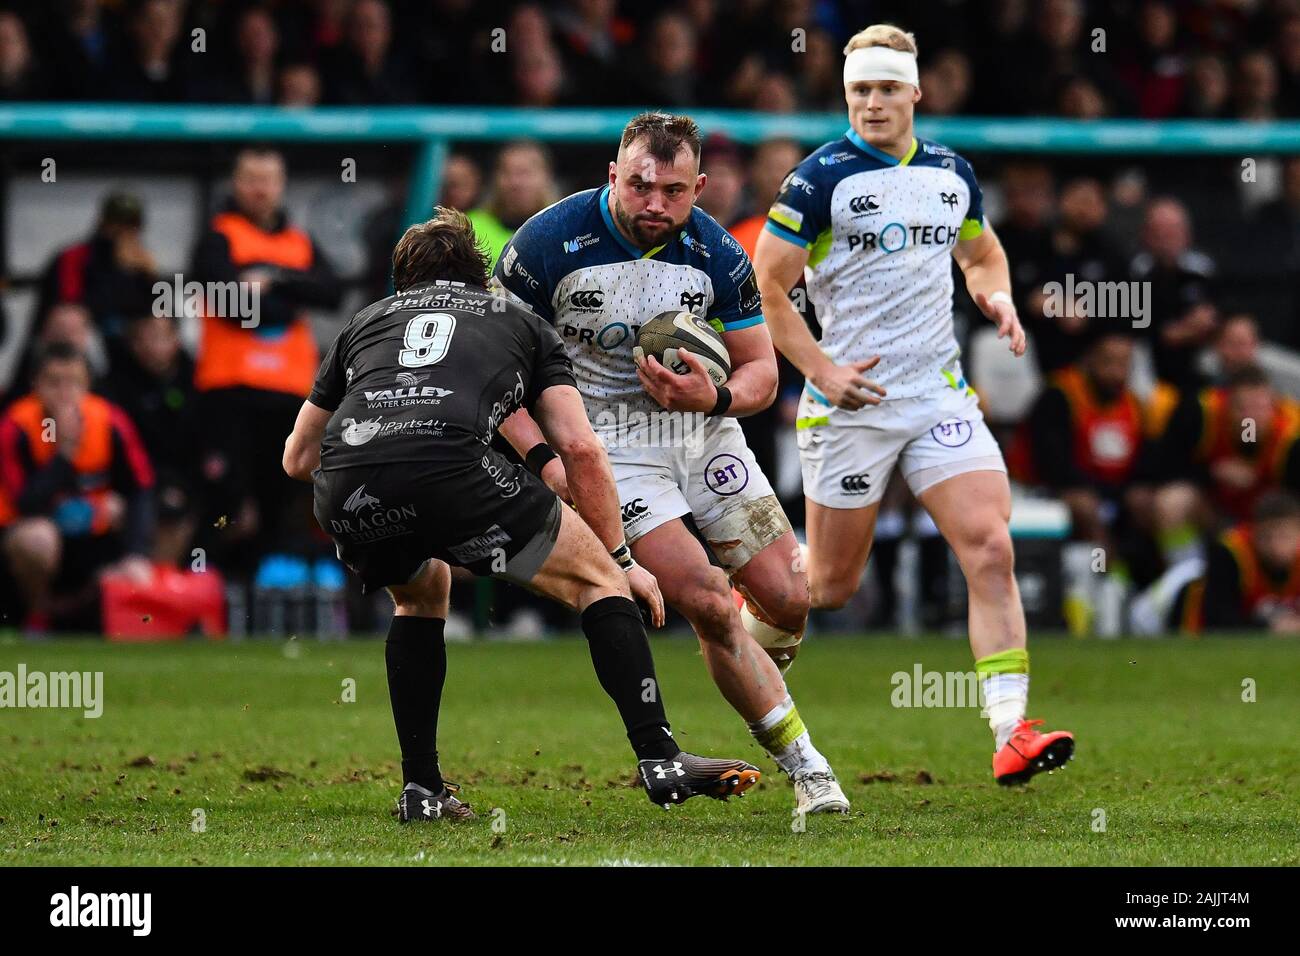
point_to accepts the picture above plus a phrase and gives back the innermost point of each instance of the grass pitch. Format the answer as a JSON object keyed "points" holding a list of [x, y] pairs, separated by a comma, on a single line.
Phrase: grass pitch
{"points": [[1172, 767]]}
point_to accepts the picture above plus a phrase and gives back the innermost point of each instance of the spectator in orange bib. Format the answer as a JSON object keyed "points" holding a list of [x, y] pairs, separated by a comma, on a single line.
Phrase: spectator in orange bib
{"points": [[773, 160], [1252, 575], [1236, 441], [78, 485], [1084, 440], [258, 355]]}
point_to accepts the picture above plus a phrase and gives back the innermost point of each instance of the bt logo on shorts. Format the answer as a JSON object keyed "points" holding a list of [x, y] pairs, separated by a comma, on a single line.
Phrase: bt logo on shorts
{"points": [[726, 475], [952, 432], [856, 484], [634, 510]]}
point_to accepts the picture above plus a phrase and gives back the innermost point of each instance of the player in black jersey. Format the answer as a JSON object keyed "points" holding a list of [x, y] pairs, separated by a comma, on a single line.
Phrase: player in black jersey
{"points": [[396, 438]]}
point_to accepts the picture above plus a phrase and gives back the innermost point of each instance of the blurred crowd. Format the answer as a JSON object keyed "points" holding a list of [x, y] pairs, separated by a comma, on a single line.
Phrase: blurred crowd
{"points": [[122, 453], [1155, 59]]}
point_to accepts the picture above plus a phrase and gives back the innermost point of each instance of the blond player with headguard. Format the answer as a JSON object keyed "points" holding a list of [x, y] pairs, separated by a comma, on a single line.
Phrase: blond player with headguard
{"points": [[872, 220]]}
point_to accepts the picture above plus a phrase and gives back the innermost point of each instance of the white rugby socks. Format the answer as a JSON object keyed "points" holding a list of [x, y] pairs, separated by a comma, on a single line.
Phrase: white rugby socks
{"points": [[1005, 698], [782, 734]]}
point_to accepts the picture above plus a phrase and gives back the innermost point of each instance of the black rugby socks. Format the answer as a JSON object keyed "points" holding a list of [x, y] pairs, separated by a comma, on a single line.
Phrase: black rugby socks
{"points": [[620, 652], [416, 655]]}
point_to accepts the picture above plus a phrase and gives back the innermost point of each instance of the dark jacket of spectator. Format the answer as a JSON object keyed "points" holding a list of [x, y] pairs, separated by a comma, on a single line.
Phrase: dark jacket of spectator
{"points": [[1089, 257], [90, 273], [163, 404], [1175, 291]]}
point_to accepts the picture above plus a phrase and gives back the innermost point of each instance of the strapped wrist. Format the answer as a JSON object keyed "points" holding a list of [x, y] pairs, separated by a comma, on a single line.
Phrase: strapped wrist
{"points": [[622, 555], [723, 403], [539, 456]]}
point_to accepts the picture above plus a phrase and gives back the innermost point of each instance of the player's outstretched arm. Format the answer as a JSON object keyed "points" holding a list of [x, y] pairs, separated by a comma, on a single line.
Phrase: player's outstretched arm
{"points": [[988, 280], [563, 420], [524, 435], [302, 447], [778, 264]]}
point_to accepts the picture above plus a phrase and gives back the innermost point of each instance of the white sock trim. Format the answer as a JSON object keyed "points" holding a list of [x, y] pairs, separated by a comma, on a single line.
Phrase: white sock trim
{"points": [[772, 717], [1006, 696]]}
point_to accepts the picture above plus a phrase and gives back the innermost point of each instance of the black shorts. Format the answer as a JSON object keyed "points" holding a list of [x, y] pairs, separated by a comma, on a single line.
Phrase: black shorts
{"points": [[491, 517]]}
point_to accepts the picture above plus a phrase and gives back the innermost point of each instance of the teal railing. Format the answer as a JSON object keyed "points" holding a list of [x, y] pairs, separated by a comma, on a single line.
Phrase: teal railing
{"points": [[432, 128]]}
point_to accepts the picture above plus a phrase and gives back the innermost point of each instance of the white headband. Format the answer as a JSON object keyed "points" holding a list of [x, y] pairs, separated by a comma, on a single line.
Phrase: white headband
{"points": [[880, 63]]}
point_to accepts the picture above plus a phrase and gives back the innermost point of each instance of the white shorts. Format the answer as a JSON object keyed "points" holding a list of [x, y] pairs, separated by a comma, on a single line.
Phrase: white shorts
{"points": [[847, 457], [711, 476]]}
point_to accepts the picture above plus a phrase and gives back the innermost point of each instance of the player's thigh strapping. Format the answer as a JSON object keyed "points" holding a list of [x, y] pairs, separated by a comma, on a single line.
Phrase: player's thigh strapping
{"points": [[709, 474]]}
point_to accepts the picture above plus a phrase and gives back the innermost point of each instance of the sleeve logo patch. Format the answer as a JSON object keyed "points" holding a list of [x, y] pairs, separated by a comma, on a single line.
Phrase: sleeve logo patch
{"points": [[786, 216], [749, 297]]}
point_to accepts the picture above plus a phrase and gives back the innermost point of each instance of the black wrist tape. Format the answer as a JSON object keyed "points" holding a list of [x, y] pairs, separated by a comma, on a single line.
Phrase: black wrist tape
{"points": [[538, 456]]}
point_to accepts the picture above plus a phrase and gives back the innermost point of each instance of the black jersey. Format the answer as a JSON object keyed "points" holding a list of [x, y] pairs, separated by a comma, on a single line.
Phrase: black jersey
{"points": [[430, 374]]}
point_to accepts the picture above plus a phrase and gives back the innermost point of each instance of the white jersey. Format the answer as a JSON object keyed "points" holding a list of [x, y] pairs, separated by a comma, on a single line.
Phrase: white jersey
{"points": [[880, 233], [571, 265]]}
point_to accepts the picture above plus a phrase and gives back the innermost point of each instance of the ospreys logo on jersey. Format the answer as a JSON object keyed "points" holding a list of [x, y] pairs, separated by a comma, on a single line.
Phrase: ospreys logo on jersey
{"points": [[692, 300], [949, 199]]}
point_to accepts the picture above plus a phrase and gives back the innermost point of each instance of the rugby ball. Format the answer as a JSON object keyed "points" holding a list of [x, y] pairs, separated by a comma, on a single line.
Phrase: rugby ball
{"points": [[668, 332]]}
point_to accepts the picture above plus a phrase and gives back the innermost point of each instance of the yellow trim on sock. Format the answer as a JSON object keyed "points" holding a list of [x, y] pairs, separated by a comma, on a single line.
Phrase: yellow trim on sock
{"points": [[781, 735], [1014, 661]]}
